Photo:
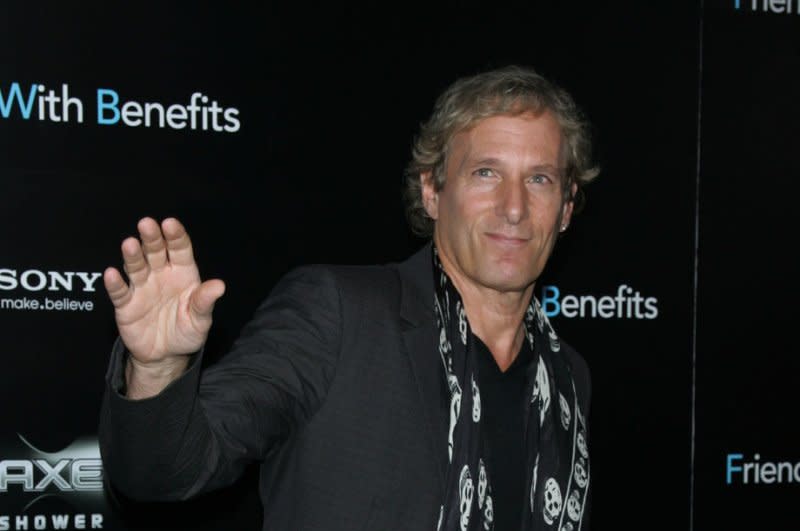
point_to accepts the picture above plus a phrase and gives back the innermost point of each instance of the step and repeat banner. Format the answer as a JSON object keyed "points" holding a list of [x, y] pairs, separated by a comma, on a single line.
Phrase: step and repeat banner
{"points": [[279, 136], [747, 456]]}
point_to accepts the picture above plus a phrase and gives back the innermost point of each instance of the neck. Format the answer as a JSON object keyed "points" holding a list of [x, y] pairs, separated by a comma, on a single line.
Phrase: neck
{"points": [[494, 316]]}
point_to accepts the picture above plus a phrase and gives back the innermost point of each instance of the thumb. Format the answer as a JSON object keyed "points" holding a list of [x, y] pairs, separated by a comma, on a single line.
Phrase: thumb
{"points": [[205, 296]]}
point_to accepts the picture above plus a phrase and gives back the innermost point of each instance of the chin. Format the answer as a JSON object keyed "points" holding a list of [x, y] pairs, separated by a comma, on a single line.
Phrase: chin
{"points": [[508, 283], [512, 273]]}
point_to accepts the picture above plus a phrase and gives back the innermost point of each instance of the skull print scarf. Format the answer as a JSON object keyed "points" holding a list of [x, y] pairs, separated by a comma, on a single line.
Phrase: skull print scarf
{"points": [[557, 459]]}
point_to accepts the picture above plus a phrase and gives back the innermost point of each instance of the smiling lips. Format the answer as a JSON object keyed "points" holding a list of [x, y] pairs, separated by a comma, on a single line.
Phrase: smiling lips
{"points": [[509, 241]]}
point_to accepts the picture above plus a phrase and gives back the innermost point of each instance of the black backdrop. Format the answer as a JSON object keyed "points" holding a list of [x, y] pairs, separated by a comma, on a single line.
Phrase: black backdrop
{"points": [[747, 280], [693, 111]]}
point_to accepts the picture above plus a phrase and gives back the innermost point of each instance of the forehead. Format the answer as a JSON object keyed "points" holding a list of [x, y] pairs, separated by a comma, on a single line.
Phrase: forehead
{"points": [[526, 135]]}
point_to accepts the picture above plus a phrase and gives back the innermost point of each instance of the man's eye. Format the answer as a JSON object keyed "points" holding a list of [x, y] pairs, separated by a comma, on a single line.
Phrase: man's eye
{"points": [[484, 172], [540, 178]]}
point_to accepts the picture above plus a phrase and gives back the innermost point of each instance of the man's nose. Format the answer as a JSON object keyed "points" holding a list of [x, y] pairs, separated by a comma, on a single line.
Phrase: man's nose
{"points": [[512, 203]]}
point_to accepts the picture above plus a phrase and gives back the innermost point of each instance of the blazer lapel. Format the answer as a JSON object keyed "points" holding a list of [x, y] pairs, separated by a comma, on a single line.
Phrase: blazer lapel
{"points": [[420, 338]]}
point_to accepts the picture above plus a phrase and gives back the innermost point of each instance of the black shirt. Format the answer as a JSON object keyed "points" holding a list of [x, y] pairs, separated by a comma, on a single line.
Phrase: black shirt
{"points": [[502, 410]]}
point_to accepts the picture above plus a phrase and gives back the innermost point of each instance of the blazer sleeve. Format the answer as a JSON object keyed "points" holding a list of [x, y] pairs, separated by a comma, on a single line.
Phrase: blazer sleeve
{"points": [[201, 431]]}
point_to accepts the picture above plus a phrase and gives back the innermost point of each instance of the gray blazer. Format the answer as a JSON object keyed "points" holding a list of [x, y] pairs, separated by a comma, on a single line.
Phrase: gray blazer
{"points": [[335, 387]]}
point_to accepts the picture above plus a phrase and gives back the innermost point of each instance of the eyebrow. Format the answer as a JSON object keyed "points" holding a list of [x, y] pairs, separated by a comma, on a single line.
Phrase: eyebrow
{"points": [[490, 161]]}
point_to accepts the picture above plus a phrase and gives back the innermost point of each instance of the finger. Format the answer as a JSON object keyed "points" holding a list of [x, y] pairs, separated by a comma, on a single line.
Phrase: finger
{"points": [[153, 245], [117, 289], [179, 245], [134, 263], [205, 296]]}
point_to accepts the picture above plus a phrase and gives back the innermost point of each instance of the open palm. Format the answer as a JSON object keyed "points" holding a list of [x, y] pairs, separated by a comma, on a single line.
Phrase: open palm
{"points": [[165, 310]]}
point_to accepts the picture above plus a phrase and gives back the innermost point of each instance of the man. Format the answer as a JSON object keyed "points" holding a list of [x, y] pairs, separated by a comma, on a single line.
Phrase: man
{"points": [[428, 394]]}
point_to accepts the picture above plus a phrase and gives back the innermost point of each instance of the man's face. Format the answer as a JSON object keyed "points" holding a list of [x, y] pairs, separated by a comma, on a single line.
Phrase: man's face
{"points": [[501, 208]]}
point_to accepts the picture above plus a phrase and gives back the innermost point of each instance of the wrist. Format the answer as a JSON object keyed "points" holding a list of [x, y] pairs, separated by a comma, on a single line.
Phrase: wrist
{"points": [[144, 380]]}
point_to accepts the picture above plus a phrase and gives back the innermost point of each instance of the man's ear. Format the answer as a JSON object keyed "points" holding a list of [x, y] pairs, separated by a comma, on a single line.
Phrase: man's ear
{"points": [[430, 197], [568, 207]]}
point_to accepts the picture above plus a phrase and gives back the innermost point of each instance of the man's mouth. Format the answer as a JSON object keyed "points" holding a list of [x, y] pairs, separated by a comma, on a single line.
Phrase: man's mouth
{"points": [[507, 240]]}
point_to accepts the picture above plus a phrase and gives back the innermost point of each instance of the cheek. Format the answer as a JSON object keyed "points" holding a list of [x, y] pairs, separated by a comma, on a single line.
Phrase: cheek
{"points": [[547, 211], [461, 211]]}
